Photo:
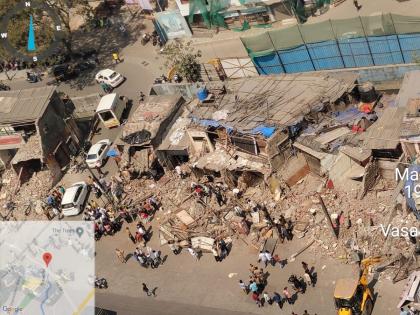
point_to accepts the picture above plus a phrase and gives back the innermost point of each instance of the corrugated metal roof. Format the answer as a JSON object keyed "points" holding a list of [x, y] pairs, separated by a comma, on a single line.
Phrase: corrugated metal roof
{"points": [[280, 100], [385, 132], [409, 88], [22, 106]]}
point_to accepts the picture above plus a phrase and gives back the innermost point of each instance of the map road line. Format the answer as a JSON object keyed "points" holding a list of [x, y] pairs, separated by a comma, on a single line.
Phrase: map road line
{"points": [[84, 302]]}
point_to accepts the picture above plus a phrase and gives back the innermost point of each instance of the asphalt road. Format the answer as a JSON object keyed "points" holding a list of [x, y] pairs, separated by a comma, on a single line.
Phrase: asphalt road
{"points": [[124, 305]]}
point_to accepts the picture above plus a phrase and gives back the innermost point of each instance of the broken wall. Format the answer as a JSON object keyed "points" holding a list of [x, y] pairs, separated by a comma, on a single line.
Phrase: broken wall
{"points": [[52, 127], [277, 149], [200, 141]]}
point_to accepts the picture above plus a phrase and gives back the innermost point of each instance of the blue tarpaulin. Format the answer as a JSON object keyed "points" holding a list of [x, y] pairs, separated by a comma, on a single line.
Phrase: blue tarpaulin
{"points": [[112, 153], [409, 190], [267, 132]]}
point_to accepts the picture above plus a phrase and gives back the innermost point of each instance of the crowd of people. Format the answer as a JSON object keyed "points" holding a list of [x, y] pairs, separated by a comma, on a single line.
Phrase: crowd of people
{"points": [[258, 282]]}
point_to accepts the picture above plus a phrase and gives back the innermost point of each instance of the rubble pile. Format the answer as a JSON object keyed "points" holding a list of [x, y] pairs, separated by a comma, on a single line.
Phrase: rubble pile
{"points": [[30, 193]]}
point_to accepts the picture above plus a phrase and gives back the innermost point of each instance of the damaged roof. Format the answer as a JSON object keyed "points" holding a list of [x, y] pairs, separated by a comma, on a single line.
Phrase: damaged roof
{"points": [[30, 150], [385, 132], [278, 101], [149, 117], [409, 88], [23, 106]]}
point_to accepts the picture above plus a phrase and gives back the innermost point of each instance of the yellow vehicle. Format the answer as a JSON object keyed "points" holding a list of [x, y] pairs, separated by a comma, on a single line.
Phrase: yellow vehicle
{"points": [[352, 295]]}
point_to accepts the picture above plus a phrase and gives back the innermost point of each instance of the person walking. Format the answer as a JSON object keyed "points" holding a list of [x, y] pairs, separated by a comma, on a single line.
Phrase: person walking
{"points": [[244, 287], [116, 57], [357, 5], [147, 290], [287, 295], [193, 253], [262, 258], [305, 312], [130, 236], [120, 255]]}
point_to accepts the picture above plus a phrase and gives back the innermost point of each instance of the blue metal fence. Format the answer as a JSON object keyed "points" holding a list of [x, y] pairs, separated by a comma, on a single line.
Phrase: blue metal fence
{"points": [[342, 53]]}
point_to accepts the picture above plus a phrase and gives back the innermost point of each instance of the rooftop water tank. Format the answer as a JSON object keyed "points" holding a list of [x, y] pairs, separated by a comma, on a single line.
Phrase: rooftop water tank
{"points": [[202, 94]]}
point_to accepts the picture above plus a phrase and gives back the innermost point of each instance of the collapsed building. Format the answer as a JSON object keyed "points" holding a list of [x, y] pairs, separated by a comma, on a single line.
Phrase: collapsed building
{"points": [[36, 132]]}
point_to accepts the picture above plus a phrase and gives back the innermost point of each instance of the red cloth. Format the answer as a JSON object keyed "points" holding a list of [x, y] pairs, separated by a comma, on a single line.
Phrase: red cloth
{"points": [[255, 296]]}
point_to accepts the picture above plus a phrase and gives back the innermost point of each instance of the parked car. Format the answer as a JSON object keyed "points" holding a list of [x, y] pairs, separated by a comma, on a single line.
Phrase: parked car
{"points": [[64, 72], [109, 77], [97, 153], [74, 198]]}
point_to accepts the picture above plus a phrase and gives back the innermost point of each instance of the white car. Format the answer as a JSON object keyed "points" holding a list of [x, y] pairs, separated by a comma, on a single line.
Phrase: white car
{"points": [[97, 153], [74, 199], [109, 77]]}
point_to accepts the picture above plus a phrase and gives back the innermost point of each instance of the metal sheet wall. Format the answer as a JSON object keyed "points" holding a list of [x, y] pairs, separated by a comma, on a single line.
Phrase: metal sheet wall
{"points": [[342, 53]]}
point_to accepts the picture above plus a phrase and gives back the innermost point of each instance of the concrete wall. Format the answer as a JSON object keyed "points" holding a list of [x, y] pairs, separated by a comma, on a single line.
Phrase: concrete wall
{"points": [[53, 129], [391, 74]]}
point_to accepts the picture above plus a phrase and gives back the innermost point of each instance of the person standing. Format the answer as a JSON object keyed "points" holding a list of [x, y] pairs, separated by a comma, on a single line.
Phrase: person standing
{"points": [[256, 298], [244, 287], [174, 247], [267, 298], [403, 312], [215, 252], [223, 249], [277, 299], [262, 258], [120, 255], [287, 295], [305, 312], [269, 258], [130, 236], [99, 170], [193, 253], [253, 287]]}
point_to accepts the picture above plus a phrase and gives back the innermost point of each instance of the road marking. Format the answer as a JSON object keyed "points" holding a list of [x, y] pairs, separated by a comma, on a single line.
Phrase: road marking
{"points": [[85, 301]]}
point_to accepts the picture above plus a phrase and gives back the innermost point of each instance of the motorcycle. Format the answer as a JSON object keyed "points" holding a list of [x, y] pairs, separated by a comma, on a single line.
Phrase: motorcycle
{"points": [[162, 79], [33, 77], [4, 87], [101, 283], [145, 39], [177, 78]]}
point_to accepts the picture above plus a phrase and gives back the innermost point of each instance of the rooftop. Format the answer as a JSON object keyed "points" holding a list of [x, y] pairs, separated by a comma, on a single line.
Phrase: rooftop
{"points": [[276, 101], [148, 117], [24, 106]]}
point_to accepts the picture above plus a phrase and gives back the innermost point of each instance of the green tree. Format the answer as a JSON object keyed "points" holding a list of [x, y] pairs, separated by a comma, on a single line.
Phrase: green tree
{"points": [[68, 9], [184, 58]]}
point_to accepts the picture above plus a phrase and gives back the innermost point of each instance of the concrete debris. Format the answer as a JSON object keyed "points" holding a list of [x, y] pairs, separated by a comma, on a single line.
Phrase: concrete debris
{"points": [[25, 196]]}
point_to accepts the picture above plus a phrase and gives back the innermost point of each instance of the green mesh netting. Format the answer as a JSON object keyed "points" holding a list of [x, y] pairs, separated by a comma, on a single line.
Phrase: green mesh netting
{"points": [[212, 18], [374, 25]]}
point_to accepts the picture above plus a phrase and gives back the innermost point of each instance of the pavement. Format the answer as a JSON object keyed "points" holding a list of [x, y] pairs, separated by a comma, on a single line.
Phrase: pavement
{"points": [[227, 44]]}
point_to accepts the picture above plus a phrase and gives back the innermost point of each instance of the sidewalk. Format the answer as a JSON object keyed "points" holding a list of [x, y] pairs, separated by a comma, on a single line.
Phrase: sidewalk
{"points": [[12, 75]]}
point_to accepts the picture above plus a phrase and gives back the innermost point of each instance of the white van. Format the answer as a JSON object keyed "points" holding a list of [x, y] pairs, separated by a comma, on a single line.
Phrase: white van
{"points": [[110, 109]]}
